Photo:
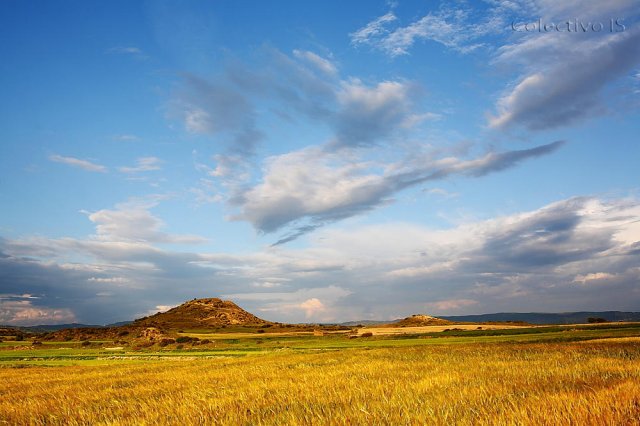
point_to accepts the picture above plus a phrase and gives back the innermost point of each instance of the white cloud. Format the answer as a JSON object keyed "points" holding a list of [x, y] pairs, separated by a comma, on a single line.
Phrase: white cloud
{"points": [[123, 49], [368, 114], [324, 65], [217, 108], [596, 276], [77, 162], [133, 51], [126, 137], [197, 120], [416, 119], [565, 90], [441, 192], [312, 307], [323, 187], [133, 222], [143, 164], [109, 280], [162, 308], [451, 27], [516, 262], [25, 313], [564, 74], [444, 307], [373, 29], [316, 303]]}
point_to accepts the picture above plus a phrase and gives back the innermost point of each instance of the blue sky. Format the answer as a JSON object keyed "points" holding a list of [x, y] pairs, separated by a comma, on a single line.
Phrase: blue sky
{"points": [[318, 161]]}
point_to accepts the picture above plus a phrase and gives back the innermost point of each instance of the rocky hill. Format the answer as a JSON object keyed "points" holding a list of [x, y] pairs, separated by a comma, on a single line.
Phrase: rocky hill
{"points": [[202, 313], [420, 321]]}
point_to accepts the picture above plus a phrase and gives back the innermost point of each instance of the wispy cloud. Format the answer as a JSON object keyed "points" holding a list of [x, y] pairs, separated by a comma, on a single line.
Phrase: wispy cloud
{"points": [[564, 75], [455, 28], [143, 164], [217, 108], [330, 180], [126, 137], [373, 30], [77, 162], [321, 188], [555, 66], [128, 50], [324, 65]]}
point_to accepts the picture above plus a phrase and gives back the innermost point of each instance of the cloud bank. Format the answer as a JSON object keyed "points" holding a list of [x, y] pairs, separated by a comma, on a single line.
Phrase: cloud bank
{"points": [[579, 253]]}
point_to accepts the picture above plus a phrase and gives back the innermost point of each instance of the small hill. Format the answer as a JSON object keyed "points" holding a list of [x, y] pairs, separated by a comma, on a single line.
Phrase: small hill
{"points": [[202, 313], [420, 321]]}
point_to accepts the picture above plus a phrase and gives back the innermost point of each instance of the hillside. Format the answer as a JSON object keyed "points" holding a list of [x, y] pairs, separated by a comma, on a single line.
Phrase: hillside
{"points": [[419, 321], [202, 313]]}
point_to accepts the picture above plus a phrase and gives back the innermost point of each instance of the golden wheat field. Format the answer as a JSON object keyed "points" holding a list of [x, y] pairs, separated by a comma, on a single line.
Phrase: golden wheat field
{"points": [[585, 383]]}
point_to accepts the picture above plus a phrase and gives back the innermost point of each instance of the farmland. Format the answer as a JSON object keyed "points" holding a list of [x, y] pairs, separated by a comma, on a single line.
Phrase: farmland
{"points": [[541, 375]]}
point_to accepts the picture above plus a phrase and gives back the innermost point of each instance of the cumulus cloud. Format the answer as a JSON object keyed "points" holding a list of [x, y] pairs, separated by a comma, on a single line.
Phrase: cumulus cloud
{"points": [[77, 162], [316, 303], [449, 305], [312, 307], [369, 114], [133, 222], [24, 313], [575, 254]]}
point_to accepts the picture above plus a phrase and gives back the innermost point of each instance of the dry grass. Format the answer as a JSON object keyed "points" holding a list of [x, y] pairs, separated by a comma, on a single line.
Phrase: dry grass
{"points": [[581, 384]]}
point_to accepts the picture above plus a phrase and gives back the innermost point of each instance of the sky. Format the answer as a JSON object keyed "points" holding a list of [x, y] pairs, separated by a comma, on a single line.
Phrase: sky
{"points": [[319, 161]]}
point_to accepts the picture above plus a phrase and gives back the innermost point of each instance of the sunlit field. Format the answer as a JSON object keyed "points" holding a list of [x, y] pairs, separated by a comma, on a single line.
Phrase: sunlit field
{"points": [[579, 377]]}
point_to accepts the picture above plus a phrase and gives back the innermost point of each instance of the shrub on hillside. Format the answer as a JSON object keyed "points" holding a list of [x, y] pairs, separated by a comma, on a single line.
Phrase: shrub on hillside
{"points": [[183, 339], [367, 334], [165, 342]]}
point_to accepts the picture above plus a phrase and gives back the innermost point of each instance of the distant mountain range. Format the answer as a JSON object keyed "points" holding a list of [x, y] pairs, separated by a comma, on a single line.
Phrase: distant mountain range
{"points": [[237, 315], [548, 318], [45, 328]]}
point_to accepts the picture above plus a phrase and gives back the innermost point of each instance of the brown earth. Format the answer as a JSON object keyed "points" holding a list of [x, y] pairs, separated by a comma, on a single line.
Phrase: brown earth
{"points": [[420, 321], [202, 313]]}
